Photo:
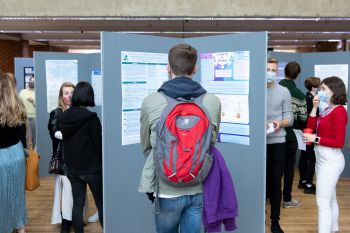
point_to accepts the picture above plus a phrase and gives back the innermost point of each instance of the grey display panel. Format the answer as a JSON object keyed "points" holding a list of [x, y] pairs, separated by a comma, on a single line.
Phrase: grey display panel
{"points": [[126, 210], [86, 62]]}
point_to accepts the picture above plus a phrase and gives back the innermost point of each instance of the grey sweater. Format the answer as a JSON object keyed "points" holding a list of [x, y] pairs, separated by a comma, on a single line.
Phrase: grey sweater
{"points": [[279, 107]]}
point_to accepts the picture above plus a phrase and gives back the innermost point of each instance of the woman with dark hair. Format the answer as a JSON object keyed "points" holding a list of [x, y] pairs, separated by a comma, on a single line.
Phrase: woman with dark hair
{"points": [[82, 147], [330, 128], [63, 199], [13, 117], [307, 158]]}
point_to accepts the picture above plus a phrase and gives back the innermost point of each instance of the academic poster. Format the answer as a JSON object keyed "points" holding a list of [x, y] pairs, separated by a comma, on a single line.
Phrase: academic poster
{"points": [[58, 72], [141, 74], [226, 74]]}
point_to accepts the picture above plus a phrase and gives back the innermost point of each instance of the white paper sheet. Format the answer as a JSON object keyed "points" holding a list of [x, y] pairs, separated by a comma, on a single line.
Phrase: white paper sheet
{"points": [[270, 128], [299, 134]]}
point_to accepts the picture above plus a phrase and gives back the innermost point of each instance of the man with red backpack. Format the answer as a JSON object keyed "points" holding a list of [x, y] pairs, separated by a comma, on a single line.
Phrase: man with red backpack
{"points": [[179, 123]]}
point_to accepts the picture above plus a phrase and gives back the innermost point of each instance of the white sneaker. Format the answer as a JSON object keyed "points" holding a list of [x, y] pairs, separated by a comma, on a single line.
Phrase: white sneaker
{"points": [[93, 218], [292, 204]]}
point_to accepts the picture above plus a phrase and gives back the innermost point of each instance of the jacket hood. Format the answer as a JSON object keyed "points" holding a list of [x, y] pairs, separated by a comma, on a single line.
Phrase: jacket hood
{"points": [[72, 119], [182, 87]]}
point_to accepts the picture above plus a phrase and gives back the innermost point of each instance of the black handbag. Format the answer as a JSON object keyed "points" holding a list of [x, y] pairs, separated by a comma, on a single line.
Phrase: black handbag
{"points": [[55, 165]]}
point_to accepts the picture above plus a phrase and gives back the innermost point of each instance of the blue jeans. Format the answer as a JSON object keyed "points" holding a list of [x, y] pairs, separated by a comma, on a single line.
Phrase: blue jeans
{"points": [[183, 212]]}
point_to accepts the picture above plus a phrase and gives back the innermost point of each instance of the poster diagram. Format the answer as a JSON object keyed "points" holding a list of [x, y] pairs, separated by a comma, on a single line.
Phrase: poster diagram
{"points": [[58, 72], [141, 74], [226, 74], [28, 73], [96, 83]]}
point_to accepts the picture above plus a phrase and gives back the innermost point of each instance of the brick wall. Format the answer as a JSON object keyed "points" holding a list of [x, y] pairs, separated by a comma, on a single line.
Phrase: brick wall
{"points": [[46, 48], [10, 49]]}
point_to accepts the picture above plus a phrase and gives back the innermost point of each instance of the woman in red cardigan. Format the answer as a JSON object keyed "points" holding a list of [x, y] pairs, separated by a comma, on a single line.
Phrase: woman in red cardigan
{"points": [[329, 139]]}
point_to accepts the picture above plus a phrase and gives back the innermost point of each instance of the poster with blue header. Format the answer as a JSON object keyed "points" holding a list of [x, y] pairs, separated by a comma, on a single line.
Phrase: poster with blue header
{"points": [[226, 74]]}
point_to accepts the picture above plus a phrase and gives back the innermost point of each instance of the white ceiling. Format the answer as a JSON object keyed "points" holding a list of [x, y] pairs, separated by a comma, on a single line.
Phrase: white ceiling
{"points": [[85, 32]]}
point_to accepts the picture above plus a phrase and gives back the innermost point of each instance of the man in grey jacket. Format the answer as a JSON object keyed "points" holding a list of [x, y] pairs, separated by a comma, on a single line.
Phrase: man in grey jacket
{"points": [[278, 115], [180, 207]]}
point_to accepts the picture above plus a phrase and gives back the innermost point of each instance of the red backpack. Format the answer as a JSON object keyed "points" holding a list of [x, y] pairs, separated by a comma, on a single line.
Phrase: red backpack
{"points": [[182, 151]]}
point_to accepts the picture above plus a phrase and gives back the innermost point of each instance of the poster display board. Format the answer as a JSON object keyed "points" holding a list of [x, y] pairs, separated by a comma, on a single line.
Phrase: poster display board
{"points": [[58, 72], [134, 66], [142, 74], [226, 74]]}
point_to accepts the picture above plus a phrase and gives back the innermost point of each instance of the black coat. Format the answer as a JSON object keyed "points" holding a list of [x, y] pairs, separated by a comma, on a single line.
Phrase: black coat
{"points": [[82, 140], [53, 127]]}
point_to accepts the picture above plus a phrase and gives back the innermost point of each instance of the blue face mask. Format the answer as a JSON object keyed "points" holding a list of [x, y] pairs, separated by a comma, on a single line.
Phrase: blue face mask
{"points": [[270, 76], [324, 100]]}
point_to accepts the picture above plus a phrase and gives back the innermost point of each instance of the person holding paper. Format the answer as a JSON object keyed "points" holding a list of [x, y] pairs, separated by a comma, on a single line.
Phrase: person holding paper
{"points": [[279, 112], [307, 158], [292, 71], [329, 139]]}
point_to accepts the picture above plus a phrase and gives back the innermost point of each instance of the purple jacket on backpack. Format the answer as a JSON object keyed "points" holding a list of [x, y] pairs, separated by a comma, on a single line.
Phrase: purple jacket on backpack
{"points": [[220, 202]]}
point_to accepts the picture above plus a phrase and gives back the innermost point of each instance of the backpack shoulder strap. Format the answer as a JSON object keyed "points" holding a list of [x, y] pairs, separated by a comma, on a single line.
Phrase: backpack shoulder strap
{"points": [[171, 101], [199, 100]]}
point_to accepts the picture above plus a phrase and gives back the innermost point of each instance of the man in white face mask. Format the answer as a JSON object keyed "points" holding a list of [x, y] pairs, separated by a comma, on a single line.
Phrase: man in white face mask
{"points": [[279, 114]]}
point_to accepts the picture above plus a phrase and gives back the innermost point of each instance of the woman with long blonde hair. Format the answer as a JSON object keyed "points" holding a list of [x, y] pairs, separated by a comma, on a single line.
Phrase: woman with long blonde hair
{"points": [[63, 199], [13, 116]]}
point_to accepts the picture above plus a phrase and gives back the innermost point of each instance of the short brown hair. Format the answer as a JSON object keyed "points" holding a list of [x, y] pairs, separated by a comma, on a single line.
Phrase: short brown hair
{"points": [[312, 82], [60, 95], [272, 60], [182, 59], [337, 86], [292, 70]]}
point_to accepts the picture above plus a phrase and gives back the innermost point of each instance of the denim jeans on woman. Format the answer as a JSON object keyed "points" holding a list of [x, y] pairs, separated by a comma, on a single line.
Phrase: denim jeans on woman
{"points": [[79, 183], [329, 165], [180, 214]]}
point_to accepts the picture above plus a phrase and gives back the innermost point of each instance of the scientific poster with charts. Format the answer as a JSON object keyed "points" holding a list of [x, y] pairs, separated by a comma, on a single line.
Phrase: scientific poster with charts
{"points": [[226, 74], [96, 83], [58, 72], [141, 74]]}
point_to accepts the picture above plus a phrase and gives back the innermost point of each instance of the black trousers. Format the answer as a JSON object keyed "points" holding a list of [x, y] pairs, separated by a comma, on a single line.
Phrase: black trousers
{"points": [[276, 156], [288, 175], [307, 164], [79, 183]]}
